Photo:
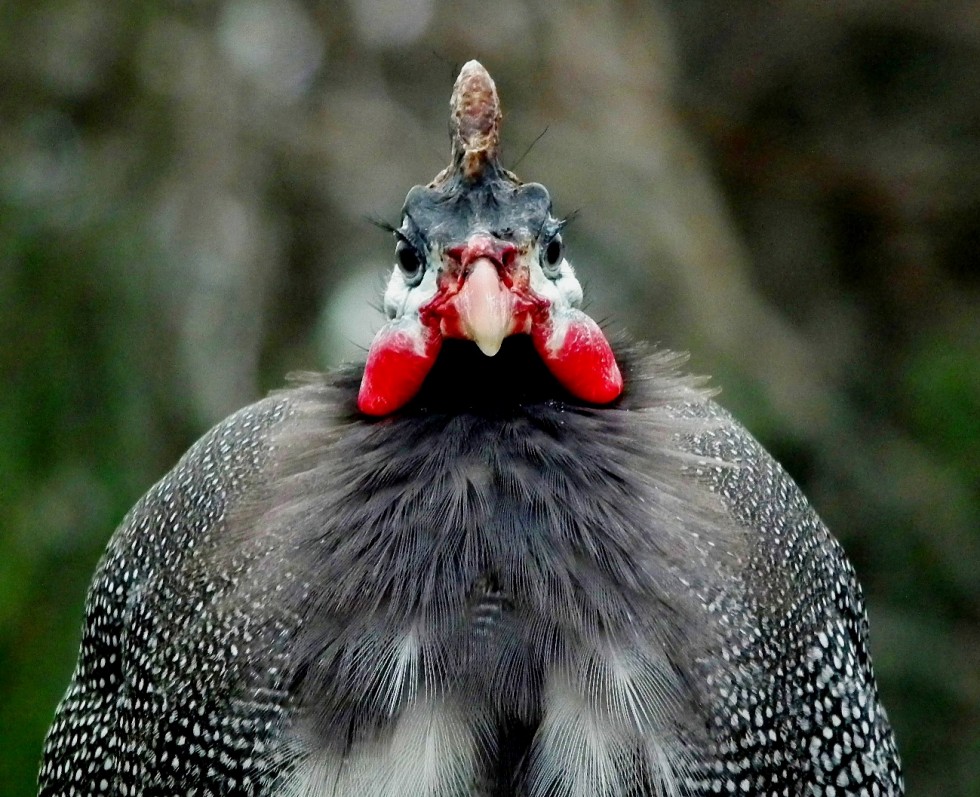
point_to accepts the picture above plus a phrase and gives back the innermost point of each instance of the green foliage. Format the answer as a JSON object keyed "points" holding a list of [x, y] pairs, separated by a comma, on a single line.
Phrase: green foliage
{"points": [[80, 442]]}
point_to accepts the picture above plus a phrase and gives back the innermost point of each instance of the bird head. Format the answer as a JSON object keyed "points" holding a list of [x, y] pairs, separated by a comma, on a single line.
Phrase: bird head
{"points": [[479, 257]]}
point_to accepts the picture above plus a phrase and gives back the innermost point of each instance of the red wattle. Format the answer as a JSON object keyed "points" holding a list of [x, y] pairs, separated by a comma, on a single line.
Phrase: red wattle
{"points": [[401, 356], [579, 356]]}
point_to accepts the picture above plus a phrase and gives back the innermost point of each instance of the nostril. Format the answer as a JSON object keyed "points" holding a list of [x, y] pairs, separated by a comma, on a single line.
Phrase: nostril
{"points": [[503, 253], [508, 254], [455, 253]]}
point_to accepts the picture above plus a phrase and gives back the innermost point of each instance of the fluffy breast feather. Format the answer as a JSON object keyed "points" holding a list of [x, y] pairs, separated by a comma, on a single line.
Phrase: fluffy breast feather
{"points": [[385, 539]]}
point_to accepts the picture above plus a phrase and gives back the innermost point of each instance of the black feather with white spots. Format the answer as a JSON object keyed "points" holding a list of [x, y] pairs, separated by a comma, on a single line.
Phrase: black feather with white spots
{"points": [[169, 697], [801, 713]]}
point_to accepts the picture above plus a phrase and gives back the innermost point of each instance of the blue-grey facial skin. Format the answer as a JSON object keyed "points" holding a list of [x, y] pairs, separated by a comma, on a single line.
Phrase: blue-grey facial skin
{"points": [[450, 213], [519, 213]]}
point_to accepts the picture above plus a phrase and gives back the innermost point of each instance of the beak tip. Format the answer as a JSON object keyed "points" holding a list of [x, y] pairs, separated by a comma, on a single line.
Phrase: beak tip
{"points": [[489, 346]]}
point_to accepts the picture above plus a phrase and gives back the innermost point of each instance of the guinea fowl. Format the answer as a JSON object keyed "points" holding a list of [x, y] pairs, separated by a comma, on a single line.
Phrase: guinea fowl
{"points": [[501, 558]]}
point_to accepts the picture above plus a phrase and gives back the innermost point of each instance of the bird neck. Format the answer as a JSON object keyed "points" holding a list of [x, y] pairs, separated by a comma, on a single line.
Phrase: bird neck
{"points": [[464, 378]]}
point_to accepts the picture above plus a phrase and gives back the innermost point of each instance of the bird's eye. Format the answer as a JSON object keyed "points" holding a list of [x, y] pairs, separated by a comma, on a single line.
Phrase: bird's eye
{"points": [[553, 253], [409, 261]]}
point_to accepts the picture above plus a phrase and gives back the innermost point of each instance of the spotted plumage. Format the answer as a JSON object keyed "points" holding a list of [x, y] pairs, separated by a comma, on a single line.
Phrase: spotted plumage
{"points": [[496, 587]]}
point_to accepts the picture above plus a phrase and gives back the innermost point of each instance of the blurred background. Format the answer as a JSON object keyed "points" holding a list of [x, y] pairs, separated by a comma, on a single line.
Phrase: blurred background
{"points": [[790, 191]]}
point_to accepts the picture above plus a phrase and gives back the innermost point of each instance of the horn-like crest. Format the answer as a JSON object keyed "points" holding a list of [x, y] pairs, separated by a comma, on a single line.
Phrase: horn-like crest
{"points": [[474, 124]]}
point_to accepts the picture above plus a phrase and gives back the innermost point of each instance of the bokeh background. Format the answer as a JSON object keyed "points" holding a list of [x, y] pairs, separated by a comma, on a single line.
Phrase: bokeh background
{"points": [[790, 191]]}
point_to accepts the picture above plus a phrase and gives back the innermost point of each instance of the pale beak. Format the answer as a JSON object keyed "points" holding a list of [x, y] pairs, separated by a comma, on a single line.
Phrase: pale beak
{"points": [[485, 307]]}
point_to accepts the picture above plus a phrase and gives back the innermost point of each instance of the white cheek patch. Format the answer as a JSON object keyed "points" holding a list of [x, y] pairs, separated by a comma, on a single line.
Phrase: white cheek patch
{"points": [[562, 293], [430, 752], [401, 299], [568, 285]]}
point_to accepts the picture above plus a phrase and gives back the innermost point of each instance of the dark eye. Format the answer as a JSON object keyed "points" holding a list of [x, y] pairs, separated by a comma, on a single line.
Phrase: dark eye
{"points": [[553, 253], [409, 261]]}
